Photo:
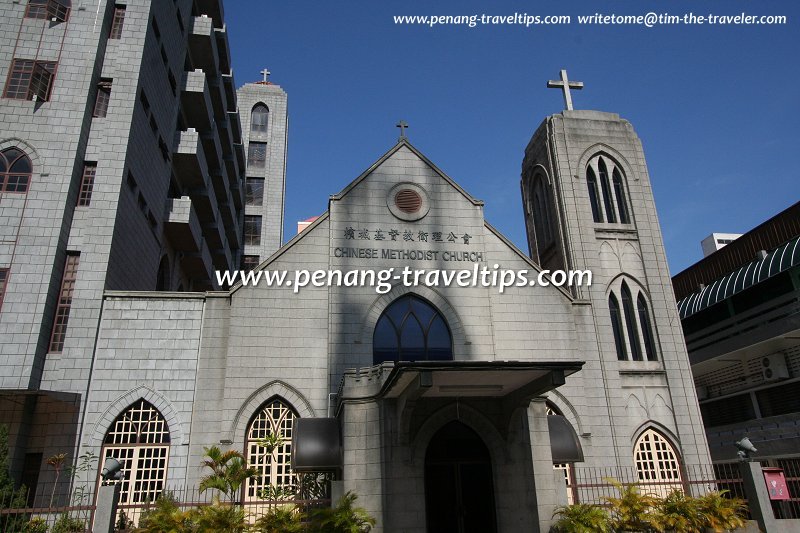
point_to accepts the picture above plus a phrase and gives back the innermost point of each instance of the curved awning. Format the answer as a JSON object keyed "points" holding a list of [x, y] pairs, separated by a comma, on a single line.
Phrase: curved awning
{"points": [[564, 443], [781, 258]]}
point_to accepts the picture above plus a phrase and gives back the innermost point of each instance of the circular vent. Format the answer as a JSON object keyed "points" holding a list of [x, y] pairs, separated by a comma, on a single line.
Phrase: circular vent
{"points": [[408, 201]]}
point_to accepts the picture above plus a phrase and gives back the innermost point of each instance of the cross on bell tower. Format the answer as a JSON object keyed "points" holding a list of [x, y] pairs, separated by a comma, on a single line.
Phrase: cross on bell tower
{"points": [[565, 85], [402, 125], [266, 74]]}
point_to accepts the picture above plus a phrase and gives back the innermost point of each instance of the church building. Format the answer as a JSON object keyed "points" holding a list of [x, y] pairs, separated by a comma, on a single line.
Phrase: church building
{"points": [[450, 408]]}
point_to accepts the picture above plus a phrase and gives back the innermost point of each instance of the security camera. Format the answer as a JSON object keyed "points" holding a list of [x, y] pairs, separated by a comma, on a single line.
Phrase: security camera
{"points": [[112, 470], [745, 448]]}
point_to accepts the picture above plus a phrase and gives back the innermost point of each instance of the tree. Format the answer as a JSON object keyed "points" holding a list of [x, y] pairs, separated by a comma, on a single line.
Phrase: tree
{"points": [[10, 497], [228, 471]]}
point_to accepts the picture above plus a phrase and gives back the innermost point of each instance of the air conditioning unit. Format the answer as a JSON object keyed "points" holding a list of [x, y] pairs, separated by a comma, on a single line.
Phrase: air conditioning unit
{"points": [[773, 367]]}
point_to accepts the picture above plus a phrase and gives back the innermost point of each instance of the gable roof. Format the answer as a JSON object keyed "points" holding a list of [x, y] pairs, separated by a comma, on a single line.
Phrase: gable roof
{"points": [[401, 143]]}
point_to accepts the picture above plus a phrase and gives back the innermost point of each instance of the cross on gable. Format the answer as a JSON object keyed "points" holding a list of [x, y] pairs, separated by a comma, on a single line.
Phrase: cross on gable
{"points": [[266, 74], [402, 125], [565, 85]]}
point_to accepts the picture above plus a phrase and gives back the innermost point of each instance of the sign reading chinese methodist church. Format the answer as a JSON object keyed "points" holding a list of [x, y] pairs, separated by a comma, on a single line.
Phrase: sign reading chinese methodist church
{"points": [[359, 236]]}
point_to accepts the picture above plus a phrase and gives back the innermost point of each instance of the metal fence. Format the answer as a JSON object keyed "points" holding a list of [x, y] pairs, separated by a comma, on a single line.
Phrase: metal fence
{"points": [[44, 506]]}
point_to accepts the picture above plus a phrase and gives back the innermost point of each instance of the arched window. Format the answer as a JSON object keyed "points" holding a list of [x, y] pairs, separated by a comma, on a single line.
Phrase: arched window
{"points": [[273, 418], [619, 194], [163, 277], [411, 329], [657, 463], [15, 171], [259, 120], [647, 329], [630, 323], [139, 439], [616, 326], [542, 214], [612, 184], [591, 181], [566, 469]]}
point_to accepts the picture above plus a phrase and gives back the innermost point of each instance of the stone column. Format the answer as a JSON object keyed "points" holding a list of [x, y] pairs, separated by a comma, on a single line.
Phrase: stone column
{"points": [[106, 511], [547, 498], [755, 488], [363, 465]]}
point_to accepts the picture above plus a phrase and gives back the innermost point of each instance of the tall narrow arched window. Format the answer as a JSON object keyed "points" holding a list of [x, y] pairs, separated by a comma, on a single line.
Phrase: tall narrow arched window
{"points": [[259, 120], [608, 200], [619, 194], [273, 418], [616, 327], [411, 329], [542, 214], [657, 464], [630, 323], [591, 182], [139, 439], [647, 328], [15, 171]]}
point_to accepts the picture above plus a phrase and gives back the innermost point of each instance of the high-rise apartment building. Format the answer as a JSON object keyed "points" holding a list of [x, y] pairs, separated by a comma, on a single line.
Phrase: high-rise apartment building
{"points": [[121, 168]]}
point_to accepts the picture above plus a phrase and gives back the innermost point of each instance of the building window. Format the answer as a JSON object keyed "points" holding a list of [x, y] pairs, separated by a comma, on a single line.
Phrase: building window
{"points": [[647, 328], [102, 99], [275, 418], [15, 171], [259, 120], [55, 10], [257, 155], [87, 184], [139, 439], [616, 326], [411, 329], [29, 80], [117, 22], [64, 302], [657, 464], [630, 323], [540, 208], [614, 204], [632, 326], [254, 191], [249, 262], [252, 230], [3, 284]]}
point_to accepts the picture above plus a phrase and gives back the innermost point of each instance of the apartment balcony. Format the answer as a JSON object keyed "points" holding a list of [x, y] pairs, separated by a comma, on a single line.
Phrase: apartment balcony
{"points": [[229, 88], [236, 126], [182, 225], [225, 138], [203, 45], [221, 35], [238, 149], [212, 8], [199, 267], [196, 100], [189, 160]]}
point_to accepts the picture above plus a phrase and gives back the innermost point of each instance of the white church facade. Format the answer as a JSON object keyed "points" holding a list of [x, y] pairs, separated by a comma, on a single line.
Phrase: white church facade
{"points": [[440, 395]]}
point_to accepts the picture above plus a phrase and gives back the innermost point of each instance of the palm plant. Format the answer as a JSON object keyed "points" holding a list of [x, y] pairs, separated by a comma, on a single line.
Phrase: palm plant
{"points": [[581, 518], [632, 510], [679, 513], [344, 518], [721, 513], [282, 519], [228, 471], [165, 517], [220, 518]]}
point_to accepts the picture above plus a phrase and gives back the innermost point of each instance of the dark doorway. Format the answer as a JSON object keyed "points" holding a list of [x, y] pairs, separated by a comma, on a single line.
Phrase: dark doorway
{"points": [[459, 488]]}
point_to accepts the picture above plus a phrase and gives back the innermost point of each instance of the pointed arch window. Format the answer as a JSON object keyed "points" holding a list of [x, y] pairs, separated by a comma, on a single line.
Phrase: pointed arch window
{"points": [[609, 202], [630, 323], [657, 465], [616, 326], [259, 120], [139, 439], [275, 417], [542, 212], [647, 328], [15, 171], [411, 329], [632, 326], [591, 181]]}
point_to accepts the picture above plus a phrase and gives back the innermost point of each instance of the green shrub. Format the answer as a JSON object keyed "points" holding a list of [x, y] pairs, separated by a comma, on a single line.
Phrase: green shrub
{"points": [[165, 517], [218, 517], [632, 510], [281, 519], [344, 518], [36, 525], [679, 513], [69, 524], [720, 513], [581, 518]]}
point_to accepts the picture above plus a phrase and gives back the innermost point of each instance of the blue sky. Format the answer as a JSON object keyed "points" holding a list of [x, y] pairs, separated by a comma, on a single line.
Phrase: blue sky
{"points": [[716, 107]]}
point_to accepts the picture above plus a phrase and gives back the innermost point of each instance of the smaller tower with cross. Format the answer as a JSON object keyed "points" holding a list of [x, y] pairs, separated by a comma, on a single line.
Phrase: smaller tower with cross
{"points": [[266, 74], [565, 85], [402, 125]]}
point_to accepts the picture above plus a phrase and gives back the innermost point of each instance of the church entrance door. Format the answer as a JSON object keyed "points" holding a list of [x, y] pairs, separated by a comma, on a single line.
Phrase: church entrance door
{"points": [[459, 487]]}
